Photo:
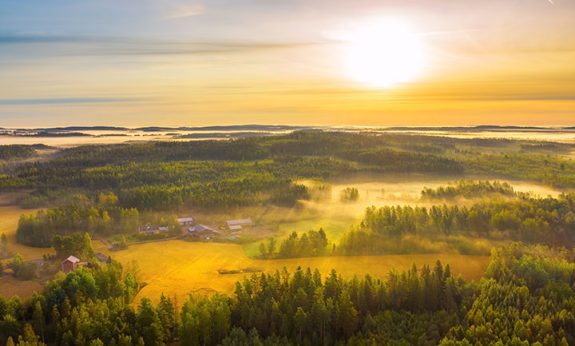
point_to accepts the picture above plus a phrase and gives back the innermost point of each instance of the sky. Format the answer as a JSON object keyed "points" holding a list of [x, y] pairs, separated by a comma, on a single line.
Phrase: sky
{"points": [[222, 62]]}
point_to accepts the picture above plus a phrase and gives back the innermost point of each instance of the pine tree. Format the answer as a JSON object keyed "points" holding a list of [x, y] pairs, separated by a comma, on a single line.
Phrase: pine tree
{"points": [[38, 319], [148, 324], [300, 321], [3, 246], [88, 250]]}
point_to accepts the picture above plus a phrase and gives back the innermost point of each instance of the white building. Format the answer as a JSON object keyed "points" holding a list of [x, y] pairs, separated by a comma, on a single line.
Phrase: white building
{"points": [[186, 221], [237, 225]]}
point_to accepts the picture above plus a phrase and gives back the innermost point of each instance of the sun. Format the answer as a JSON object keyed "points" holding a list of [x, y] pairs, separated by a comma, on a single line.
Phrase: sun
{"points": [[383, 54]]}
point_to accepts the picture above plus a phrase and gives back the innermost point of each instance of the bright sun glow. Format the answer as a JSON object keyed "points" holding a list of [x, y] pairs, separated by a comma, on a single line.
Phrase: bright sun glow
{"points": [[384, 54]]}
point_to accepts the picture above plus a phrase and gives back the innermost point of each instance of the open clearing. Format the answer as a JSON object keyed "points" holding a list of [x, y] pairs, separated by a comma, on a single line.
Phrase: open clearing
{"points": [[9, 287], [178, 268], [9, 217]]}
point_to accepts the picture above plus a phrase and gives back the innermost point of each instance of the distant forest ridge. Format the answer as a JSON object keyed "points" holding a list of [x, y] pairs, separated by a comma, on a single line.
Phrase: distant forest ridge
{"points": [[248, 127], [255, 129]]}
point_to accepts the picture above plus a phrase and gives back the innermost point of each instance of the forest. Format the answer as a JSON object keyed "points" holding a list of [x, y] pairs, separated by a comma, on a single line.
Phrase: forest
{"points": [[103, 216], [252, 171], [526, 296], [164, 175], [528, 219]]}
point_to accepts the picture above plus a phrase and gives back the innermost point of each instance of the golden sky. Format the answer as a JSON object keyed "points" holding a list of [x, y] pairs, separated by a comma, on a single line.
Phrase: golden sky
{"points": [[164, 62]]}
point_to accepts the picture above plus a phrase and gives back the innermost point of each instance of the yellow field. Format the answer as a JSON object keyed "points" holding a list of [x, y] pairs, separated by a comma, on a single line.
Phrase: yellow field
{"points": [[178, 267], [9, 287]]}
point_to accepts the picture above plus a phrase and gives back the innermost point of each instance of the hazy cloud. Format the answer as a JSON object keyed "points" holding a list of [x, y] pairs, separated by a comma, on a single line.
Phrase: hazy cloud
{"points": [[47, 45], [64, 101], [184, 11], [11, 38]]}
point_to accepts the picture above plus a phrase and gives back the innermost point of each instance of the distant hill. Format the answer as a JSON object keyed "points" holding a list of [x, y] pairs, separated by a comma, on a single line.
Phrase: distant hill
{"points": [[57, 134], [82, 128], [478, 128], [225, 128], [214, 135]]}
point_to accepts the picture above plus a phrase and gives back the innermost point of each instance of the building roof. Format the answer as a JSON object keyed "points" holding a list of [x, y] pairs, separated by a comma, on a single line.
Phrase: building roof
{"points": [[185, 219], [239, 222], [202, 228], [101, 257], [72, 259], [235, 227]]}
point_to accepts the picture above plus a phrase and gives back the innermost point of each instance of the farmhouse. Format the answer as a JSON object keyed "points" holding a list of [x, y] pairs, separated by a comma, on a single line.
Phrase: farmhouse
{"points": [[153, 229], [236, 225], [70, 264], [186, 221], [203, 232]]}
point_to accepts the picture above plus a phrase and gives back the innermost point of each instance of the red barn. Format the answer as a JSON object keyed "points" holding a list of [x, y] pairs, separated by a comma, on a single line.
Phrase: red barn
{"points": [[69, 264]]}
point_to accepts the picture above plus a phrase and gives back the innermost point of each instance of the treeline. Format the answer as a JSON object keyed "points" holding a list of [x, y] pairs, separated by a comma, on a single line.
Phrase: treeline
{"points": [[533, 220], [17, 151], [391, 160], [76, 244], [78, 309], [551, 170], [305, 308], [469, 189], [526, 297], [309, 244], [102, 216], [217, 194], [173, 185]]}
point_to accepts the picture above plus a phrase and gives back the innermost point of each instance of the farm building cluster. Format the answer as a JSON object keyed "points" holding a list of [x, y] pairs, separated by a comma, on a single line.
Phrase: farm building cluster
{"points": [[160, 229], [205, 232], [231, 230]]}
